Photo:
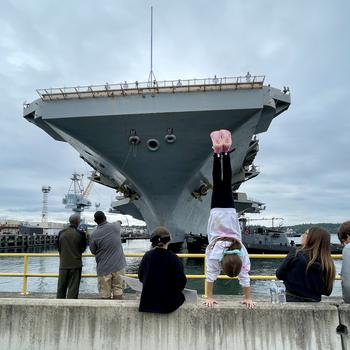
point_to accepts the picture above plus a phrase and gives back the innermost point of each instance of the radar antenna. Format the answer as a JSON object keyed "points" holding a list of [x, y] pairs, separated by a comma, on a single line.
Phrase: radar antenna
{"points": [[151, 78]]}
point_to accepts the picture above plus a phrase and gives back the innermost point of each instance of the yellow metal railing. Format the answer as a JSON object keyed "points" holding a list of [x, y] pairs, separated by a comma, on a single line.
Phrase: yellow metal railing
{"points": [[26, 273]]}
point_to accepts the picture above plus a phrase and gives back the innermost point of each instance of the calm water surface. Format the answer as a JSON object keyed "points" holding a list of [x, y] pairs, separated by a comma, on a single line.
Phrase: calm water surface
{"points": [[89, 285]]}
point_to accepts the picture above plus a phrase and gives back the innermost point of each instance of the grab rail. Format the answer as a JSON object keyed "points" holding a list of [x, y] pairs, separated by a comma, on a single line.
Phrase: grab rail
{"points": [[126, 88], [25, 274]]}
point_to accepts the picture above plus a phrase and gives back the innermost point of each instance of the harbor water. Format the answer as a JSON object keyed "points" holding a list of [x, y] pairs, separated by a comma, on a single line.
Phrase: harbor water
{"points": [[89, 285]]}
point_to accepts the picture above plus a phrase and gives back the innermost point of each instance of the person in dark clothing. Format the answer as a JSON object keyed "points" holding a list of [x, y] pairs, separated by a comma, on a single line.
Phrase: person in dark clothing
{"points": [[71, 244], [162, 275], [309, 272]]}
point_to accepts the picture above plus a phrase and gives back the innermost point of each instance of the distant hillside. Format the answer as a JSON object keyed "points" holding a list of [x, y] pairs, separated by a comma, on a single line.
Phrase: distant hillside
{"points": [[301, 228]]}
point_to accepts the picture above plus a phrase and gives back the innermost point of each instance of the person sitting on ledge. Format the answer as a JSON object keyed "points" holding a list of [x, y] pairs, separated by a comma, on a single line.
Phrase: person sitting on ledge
{"points": [[162, 275], [225, 250], [309, 272], [344, 237]]}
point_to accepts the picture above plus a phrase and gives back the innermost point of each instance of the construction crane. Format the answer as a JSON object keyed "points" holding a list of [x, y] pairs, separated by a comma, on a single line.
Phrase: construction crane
{"points": [[76, 197], [269, 219]]}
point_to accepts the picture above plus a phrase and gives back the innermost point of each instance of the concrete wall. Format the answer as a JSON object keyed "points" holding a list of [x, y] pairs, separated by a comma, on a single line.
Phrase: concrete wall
{"points": [[33, 324], [344, 318]]}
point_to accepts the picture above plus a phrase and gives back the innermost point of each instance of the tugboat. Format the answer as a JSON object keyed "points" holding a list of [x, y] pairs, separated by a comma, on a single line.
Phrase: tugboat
{"points": [[268, 240]]}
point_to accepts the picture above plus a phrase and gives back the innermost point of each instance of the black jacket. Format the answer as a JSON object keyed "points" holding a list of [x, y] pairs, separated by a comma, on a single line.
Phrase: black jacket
{"points": [[307, 284], [163, 278]]}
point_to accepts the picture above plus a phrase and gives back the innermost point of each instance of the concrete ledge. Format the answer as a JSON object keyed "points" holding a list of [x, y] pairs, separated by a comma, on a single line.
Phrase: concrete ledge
{"points": [[35, 324], [344, 318]]}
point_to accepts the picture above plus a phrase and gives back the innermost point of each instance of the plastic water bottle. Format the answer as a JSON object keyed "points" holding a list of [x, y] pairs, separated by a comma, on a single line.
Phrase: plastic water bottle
{"points": [[273, 292], [281, 291]]}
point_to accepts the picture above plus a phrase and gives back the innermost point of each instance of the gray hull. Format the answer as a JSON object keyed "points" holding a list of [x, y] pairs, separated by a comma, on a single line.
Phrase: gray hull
{"points": [[159, 185]]}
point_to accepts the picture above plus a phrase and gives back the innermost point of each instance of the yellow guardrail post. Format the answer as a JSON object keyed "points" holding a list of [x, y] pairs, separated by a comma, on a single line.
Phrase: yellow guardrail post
{"points": [[205, 284], [25, 275]]}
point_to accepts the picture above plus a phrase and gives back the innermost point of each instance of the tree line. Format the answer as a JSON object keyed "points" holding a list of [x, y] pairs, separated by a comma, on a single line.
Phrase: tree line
{"points": [[301, 228]]}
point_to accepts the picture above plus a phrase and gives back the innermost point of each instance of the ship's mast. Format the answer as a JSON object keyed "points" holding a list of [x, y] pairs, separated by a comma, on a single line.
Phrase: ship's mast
{"points": [[151, 77]]}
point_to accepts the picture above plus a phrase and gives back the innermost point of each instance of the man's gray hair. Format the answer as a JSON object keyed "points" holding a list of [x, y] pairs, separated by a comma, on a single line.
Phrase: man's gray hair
{"points": [[74, 219]]}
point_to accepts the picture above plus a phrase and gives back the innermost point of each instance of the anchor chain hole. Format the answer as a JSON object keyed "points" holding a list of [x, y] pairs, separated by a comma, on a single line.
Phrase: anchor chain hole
{"points": [[153, 145]]}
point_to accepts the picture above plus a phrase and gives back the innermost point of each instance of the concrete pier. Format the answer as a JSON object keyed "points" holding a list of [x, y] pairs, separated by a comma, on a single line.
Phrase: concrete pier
{"points": [[35, 324]]}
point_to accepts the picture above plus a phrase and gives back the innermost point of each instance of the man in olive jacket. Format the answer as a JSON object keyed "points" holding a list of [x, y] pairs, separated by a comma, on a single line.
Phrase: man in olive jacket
{"points": [[71, 244]]}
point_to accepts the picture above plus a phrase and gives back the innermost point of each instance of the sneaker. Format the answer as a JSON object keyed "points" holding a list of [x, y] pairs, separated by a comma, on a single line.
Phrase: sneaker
{"points": [[226, 140], [217, 142]]}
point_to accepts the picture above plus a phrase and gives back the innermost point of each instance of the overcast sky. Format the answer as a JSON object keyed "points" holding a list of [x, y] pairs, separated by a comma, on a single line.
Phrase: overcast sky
{"points": [[304, 156]]}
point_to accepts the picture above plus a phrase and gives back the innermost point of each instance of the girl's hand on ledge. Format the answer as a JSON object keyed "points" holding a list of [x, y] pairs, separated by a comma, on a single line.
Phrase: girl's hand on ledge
{"points": [[210, 302], [250, 304]]}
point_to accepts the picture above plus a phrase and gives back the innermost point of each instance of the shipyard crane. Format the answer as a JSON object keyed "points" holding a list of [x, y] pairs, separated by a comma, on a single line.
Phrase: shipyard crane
{"points": [[77, 197], [87, 191]]}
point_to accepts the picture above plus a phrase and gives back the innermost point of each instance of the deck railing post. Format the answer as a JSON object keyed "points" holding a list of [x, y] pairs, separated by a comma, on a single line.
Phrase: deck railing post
{"points": [[25, 276], [205, 279]]}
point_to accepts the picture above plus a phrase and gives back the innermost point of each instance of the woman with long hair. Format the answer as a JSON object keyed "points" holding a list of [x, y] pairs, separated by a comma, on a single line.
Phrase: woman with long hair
{"points": [[309, 272]]}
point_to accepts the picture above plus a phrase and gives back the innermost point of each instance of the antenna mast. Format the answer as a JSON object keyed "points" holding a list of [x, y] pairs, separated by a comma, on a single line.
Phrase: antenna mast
{"points": [[151, 77]]}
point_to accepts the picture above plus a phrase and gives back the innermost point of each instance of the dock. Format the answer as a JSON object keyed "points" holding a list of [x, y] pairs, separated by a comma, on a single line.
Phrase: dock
{"points": [[10, 241], [16, 234]]}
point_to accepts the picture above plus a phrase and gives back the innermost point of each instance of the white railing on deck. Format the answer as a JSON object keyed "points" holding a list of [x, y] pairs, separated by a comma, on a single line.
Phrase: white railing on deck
{"points": [[165, 86]]}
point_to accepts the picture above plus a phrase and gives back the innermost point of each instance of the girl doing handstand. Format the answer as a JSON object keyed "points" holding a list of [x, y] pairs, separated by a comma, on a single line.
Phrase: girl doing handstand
{"points": [[225, 250]]}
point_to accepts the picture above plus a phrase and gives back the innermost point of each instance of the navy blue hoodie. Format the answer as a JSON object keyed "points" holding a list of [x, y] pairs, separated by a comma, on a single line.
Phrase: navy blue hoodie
{"points": [[306, 284], [163, 278]]}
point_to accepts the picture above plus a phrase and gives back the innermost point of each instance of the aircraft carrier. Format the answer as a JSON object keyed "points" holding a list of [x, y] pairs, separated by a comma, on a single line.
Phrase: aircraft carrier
{"points": [[150, 140]]}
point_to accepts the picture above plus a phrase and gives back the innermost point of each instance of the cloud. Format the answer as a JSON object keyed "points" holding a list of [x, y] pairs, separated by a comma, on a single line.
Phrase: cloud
{"points": [[304, 155]]}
